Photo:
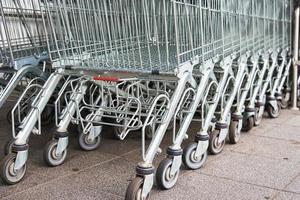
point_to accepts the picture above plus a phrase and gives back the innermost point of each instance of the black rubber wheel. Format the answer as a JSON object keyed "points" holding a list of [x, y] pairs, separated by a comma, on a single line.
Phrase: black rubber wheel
{"points": [[164, 179], [285, 100], [87, 145], [8, 146], [248, 124], [272, 112], [214, 146], [8, 174], [50, 156], [134, 189], [189, 159], [234, 133]]}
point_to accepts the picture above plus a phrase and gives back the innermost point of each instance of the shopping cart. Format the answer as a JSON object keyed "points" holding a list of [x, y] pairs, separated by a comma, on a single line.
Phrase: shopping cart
{"points": [[92, 39], [138, 64], [23, 47], [276, 24]]}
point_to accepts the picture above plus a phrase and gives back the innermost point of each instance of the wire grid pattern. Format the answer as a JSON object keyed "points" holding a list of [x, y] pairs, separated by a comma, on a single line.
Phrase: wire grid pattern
{"points": [[21, 30], [147, 35]]}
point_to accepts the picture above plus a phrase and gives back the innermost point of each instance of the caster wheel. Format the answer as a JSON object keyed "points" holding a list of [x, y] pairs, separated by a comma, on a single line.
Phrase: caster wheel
{"points": [[272, 112], [164, 179], [285, 100], [50, 156], [257, 117], [117, 132], [234, 133], [248, 124], [190, 160], [215, 147], [8, 174], [87, 145], [134, 190]]}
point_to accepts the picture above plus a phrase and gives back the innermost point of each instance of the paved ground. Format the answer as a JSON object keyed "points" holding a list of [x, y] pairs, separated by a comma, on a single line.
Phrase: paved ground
{"points": [[264, 165]]}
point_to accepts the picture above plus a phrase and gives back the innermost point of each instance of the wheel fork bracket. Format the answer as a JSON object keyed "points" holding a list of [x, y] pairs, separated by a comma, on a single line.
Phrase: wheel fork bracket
{"points": [[21, 159], [201, 148], [147, 186], [94, 132], [176, 163], [223, 135], [61, 145]]}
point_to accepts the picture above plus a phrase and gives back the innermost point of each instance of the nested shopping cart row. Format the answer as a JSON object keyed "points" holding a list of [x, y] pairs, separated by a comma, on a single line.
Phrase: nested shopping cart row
{"points": [[150, 66]]}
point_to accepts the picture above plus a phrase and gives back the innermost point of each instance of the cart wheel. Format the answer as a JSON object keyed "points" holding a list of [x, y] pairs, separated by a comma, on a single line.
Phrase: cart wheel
{"points": [[285, 100], [50, 156], [117, 132], [272, 112], [190, 160], [134, 190], [257, 116], [215, 147], [8, 174], [164, 179], [8, 146], [248, 124], [86, 144], [234, 133]]}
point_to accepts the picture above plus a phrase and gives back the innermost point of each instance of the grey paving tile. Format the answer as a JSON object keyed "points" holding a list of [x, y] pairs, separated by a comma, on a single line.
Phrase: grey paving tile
{"points": [[195, 186], [294, 186], [293, 121], [287, 196], [281, 132], [65, 192], [29, 181], [109, 179], [252, 169], [72, 165], [284, 117], [269, 147]]}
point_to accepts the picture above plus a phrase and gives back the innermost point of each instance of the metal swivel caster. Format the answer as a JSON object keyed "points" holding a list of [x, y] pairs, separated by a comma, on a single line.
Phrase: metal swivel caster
{"points": [[234, 132], [190, 159], [215, 147], [134, 190], [248, 124], [272, 112], [51, 157], [88, 144], [164, 177], [8, 174]]}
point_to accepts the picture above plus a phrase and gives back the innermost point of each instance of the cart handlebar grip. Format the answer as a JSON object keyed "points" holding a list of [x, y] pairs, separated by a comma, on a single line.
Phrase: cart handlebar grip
{"points": [[109, 79]]}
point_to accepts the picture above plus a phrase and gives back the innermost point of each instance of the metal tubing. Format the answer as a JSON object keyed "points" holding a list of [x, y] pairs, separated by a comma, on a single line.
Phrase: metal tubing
{"points": [[295, 60], [33, 115]]}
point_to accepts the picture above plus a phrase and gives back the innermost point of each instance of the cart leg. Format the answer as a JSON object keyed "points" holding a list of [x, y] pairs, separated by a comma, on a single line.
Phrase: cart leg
{"points": [[55, 151], [13, 166], [141, 186]]}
